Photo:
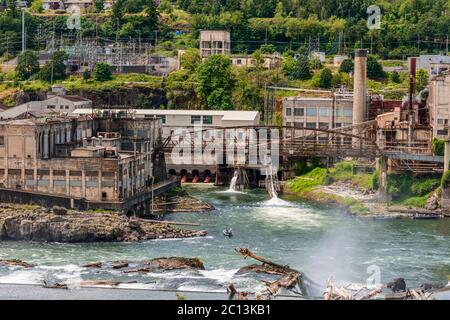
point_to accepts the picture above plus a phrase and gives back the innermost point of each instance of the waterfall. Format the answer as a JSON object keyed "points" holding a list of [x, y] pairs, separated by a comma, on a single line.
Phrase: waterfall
{"points": [[233, 181], [271, 187]]}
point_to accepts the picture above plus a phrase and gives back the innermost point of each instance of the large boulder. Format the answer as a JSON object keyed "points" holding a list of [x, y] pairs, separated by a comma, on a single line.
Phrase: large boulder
{"points": [[176, 263]]}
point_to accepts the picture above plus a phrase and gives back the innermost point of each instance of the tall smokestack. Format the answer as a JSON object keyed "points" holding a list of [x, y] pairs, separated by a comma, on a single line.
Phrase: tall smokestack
{"points": [[359, 86]]}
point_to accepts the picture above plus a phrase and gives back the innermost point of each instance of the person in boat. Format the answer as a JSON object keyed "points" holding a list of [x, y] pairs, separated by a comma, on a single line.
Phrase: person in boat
{"points": [[228, 232]]}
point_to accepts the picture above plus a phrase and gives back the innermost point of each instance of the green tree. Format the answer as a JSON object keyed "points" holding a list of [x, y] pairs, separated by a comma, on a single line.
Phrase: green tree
{"points": [[296, 68], [374, 68], [54, 69], [98, 5], [102, 71], [267, 48], [395, 77], [215, 80], [347, 66], [421, 79], [27, 65], [36, 6], [220, 99], [326, 78], [151, 12], [190, 59]]}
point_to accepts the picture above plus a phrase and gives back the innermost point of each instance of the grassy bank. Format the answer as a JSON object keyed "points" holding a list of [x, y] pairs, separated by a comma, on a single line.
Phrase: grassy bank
{"points": [[308, 186], [406, 190]]}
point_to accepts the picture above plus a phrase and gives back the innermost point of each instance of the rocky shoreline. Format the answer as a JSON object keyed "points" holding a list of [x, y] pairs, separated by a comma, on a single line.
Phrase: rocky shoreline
{"points": [[35, 223], [364, 203]]}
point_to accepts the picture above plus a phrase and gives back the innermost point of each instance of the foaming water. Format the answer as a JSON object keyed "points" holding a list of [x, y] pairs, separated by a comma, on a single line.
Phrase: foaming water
{"points": [[320, 242], [278, 202]]}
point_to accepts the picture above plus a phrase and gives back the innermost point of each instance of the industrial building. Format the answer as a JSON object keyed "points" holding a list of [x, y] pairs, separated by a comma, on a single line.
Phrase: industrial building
{"points": [[57, 102], [214, 42], [82, 163], [186, 119], [271, 61], [433, 64], [439, 104]]}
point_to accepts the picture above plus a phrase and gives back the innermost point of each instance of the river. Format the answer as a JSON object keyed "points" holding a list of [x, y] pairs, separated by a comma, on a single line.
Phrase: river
{"points": [[319, 242]]}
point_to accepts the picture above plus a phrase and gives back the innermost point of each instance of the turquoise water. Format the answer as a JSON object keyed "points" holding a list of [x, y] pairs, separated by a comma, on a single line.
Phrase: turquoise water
{"points": [[320, 242]]}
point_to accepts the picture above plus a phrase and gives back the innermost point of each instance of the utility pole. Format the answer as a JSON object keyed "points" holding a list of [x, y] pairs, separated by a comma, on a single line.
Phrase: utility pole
{"points": [[24, 47], [371, 44], [156, 39], [447, 45]]}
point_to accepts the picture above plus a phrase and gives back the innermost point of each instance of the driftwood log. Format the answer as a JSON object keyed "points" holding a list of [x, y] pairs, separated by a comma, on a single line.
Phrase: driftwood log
{"points": [[289, 277], [54, 285]]}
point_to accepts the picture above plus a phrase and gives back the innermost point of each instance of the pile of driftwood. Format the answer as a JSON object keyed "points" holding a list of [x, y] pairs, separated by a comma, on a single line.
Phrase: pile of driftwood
{"points": [[397, 286], [289, 278]]}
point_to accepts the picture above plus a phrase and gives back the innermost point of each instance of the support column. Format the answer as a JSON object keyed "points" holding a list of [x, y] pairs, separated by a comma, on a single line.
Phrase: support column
{"points": [[99, 185], [51, 186], [46, 146], [446, 155], [68, 182], [83, 184], [382, 189]]}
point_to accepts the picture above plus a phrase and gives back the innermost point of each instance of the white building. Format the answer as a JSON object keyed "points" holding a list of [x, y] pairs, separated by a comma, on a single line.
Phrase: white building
{"points": [[186, 119], [318, 112], [271, 61], [77, 5], [430, 63], [214, 42], [56, 102]]}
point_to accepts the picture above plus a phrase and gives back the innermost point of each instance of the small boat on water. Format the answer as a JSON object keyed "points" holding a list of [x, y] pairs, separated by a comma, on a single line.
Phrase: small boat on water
{"points": [[228, 232]]}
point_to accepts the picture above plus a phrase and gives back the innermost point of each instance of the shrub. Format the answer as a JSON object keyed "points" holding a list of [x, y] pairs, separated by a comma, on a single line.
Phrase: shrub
{"points": [[438, 147], [102, 71]]}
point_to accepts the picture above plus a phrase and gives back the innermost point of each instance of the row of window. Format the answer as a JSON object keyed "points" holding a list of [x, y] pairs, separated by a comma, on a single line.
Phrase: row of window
{"points": [[312, 112], [50, 106], [72, 183], [201, 119], [314, 125]]}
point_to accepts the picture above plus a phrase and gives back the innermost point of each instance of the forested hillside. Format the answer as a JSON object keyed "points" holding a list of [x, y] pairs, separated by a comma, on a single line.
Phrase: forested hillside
{"points": [[407, 26]]}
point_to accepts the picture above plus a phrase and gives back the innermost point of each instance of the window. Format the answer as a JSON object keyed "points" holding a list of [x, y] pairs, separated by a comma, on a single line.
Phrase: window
{"points": [[324, 112], [338, 125], [51, 106], [288, 124], [288, 112], [43, 183], [195, 119], [442, 121], [298, 124], [75, 183], [311, 125], [348, 112], [59, 183], [442, 132], [239, 61], [2, 141], [299, 112], [163, 118], [323, 125], [91, 184], [311, 112], [207, 120]]}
